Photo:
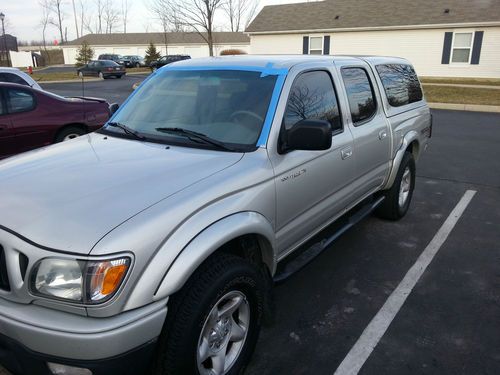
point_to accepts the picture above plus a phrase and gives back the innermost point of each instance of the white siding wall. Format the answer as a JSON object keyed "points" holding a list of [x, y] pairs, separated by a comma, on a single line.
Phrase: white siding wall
{"points": [[423, 48], [194, 50]]}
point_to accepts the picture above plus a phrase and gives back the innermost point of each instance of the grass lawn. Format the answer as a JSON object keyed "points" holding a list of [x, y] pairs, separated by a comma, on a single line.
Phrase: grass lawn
{"points": [[61, 76], [462, 81], [461, 95]]}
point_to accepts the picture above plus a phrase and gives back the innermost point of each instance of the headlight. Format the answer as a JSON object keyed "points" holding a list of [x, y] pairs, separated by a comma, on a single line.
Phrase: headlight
{"points": [[81, 281]]}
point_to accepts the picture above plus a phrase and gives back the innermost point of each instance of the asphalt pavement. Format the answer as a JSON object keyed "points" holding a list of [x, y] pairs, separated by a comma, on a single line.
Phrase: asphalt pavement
{"points": [[449, 323]]}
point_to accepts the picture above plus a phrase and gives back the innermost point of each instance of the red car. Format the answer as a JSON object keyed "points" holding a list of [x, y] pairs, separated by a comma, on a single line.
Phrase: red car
{"points": [[31, 118]]}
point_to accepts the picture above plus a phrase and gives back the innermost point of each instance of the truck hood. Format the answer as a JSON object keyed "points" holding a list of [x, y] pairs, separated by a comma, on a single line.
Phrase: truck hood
{"points": [[68, 196]]}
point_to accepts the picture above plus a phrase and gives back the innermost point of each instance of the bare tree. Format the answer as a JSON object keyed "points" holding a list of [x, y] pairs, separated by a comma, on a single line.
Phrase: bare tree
{"points": [[44, 21], [125, 8], [240, 12], [110, 15], [197, 15], [76, 19], [100, 15], [55, 9]]}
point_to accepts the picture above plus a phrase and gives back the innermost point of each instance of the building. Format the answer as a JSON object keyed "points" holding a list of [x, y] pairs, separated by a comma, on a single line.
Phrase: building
{"points": [[8, 42], [187, 43], [445, 38]]}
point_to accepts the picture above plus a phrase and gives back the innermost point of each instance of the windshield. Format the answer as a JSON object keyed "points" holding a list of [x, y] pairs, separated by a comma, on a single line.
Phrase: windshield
{"points": [[226, 106]]}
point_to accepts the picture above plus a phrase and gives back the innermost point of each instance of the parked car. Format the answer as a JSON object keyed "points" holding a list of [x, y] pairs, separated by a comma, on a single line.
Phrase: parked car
{"points": [[102, 69], [154, 242], [31, 118], [113, 57], [134, 61], [14, 75], [165, 60]]}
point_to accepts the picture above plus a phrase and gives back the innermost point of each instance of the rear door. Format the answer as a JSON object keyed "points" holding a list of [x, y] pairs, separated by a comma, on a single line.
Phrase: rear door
{"points": [[33, 127], [369, 126], [8, 144]]}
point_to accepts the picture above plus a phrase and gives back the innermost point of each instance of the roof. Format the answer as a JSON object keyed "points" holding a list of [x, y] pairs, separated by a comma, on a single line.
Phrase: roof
{"points": [[158, 38], [271, 61], [367, 14]]}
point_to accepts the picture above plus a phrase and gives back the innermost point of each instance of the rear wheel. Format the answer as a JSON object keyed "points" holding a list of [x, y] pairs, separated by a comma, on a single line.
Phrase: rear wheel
{"points": [[213, 323], [68, 133], [398, 197]]}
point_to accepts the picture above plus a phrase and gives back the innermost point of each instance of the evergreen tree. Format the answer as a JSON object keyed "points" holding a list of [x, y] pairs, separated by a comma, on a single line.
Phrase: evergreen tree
{"points": [[85, 54], [151, 54]]}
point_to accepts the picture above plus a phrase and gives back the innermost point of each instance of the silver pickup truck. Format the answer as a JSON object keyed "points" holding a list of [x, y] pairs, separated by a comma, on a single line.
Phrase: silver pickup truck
{"points": [[152, 245]]}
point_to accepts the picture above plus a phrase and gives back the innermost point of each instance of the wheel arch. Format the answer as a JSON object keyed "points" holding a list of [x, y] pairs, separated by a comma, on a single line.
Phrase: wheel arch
{"points": [[410, 142], [246, 234]]}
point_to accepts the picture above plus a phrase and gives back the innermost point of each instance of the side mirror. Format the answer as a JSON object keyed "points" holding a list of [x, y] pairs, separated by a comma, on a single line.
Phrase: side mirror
{"points": [[113, 108], [309, 135]]}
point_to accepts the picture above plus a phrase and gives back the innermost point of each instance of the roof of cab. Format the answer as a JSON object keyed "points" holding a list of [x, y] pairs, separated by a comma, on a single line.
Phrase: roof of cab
{"points": [[276, 61]]}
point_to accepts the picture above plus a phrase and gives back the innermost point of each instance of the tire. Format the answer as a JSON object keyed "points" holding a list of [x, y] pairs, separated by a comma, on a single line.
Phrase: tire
{"points": [[396, 204], [220, 278], [101, 76], [68, 133]]}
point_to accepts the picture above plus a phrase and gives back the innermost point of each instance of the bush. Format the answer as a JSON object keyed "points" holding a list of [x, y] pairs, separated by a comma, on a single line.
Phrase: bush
{"points": [[234, 51]]}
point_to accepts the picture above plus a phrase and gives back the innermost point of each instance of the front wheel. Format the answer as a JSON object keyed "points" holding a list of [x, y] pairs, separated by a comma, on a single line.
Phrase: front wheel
{"points": [[398, 197], [213, 323], [69, 133]]}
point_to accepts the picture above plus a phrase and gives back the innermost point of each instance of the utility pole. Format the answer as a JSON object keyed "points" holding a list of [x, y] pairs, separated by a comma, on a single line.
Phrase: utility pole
{"points": [[2, 17]]}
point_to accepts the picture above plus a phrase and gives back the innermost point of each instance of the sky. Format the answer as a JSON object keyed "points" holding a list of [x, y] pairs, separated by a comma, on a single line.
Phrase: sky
{"points": [[22, 18]]}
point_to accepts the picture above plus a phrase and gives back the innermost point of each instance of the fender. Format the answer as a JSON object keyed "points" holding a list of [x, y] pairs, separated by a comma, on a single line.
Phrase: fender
{"points": [[396, 162], [208, 241]]}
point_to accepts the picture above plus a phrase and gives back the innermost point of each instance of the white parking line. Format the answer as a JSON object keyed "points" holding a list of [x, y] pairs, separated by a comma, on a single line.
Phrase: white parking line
{"points": [[372, 334]]}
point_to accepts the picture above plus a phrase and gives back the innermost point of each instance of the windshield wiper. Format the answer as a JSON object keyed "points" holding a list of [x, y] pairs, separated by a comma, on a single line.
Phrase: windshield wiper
{"points": [[127, 130], [200, 136]]}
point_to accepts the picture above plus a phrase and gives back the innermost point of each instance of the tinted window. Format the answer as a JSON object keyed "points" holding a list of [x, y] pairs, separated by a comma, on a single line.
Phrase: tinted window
{"points": [[400, 83], [109, 63], [12, 78], [19, 100], [359, 93], [312, 97]]}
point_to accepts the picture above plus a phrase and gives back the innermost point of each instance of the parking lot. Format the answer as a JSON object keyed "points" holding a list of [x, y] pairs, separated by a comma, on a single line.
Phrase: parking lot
{"points": [[450, 320]]}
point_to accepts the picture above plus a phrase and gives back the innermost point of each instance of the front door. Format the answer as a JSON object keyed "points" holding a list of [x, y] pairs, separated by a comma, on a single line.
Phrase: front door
{"points": [[370, 128], [311, 186]]}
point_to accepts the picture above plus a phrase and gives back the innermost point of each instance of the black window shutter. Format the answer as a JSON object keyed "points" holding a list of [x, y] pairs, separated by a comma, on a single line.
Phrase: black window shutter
{"points": [[326, 45], [476, 47], [448, 37], [305, 45]]}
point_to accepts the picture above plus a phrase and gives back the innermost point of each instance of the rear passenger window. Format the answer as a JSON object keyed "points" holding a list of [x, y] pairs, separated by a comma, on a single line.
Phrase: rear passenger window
{"points": [[19, 101], [313, 97], [400, 83], [359, 93]]}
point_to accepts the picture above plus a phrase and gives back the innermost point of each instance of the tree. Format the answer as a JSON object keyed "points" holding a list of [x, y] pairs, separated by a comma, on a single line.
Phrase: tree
{"points": [[197, 15], [111, 16], [85, 54], [44, 23], [151, 54], [56, 8], [240, 12], [125, 8]]}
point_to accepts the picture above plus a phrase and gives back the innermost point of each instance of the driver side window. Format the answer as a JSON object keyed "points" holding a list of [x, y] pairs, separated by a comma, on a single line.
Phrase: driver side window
{"points": [[313, 97]]}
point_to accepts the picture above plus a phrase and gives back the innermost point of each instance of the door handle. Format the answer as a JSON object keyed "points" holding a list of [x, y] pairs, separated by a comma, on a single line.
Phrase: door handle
{"points": [[382, 134], [346, 153]]}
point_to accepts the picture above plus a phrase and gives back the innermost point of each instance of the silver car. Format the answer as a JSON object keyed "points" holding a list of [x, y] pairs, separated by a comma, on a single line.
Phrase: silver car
{"points": [[153, 244]]}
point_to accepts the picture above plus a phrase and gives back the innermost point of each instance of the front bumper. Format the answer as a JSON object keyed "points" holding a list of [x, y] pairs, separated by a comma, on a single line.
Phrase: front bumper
{"points": [[41, 333], [19, 360]]}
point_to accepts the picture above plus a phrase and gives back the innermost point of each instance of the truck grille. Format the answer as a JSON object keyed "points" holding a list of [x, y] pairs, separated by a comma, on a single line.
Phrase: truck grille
{"points": [[4, 279]]}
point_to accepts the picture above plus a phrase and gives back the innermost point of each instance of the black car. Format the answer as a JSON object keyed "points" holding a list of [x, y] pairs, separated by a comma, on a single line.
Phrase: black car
{"points": [[102, 69], [134, 61], [165, 60], [113, 57]]}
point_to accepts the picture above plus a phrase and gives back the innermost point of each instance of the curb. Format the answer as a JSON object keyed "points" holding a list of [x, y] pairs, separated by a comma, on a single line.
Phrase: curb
{"points": [[466, 107], [87, 79]]}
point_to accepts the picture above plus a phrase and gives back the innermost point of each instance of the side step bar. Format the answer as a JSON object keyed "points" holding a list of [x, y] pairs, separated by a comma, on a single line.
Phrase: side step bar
{"points": [[309, 253]]}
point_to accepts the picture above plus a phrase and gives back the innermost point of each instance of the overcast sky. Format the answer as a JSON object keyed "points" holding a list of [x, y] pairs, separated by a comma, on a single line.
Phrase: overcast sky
{"points": [[23, 18]]}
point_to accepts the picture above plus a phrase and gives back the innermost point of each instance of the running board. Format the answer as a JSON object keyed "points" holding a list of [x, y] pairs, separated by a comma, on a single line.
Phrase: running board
{"points": [[311, 252]]}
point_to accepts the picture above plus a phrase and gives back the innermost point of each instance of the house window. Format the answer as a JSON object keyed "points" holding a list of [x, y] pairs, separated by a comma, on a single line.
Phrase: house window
{"points": [[316, 45], [462, 47]]}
